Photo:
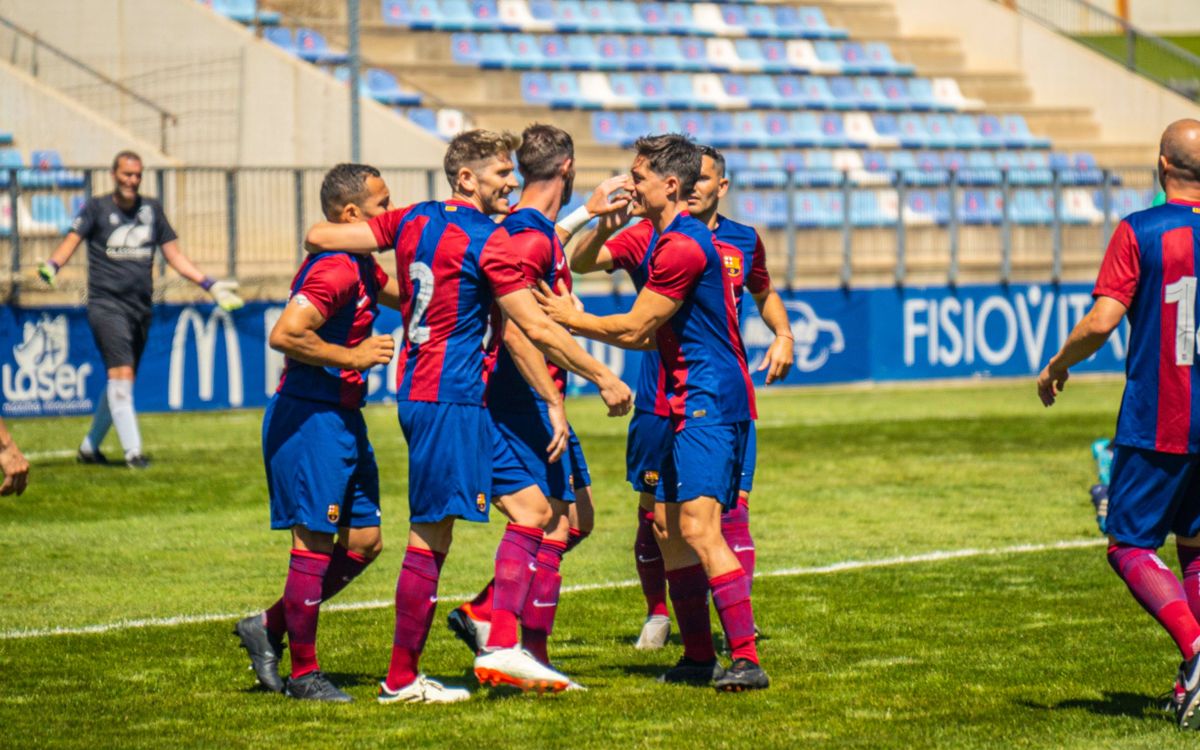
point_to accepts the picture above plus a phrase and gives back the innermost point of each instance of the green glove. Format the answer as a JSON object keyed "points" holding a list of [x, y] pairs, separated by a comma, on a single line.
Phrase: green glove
{"points": [[47, 271]]}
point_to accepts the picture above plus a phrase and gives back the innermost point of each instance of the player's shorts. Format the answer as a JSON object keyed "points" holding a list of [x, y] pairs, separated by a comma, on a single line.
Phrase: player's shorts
{"points": [[647, 449], [1152, 494], [450, 449], [120, 332], [520, 457], [705, 461], [321, 471], [750, 461]]}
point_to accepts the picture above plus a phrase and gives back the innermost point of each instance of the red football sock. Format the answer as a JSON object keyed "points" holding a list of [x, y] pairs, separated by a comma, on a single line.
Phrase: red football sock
{"points": [[537, 618], [515, 566], [302, 604], [1189, 563], [731, 596], [735, 527], [575, 537], [344, 567], [481, 606], [650, 568], [416, 601], [689, 596], [1158, 591]]}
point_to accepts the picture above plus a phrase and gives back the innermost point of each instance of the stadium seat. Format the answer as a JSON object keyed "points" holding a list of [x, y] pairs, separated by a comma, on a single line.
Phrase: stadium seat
{"points": [[634, 125], [966, 133], [1079, 208], [707, 18], [830, 57], [466, 49], [722, 56], [918, 94], [764, 210], [809, 22], [759, 21], [910, 130], [772, 55], [604, 52], [880, 60], [749, 131], [1124, 201], [606, 128], [569, 16], [514, 15], [980, 169], [1080, 169], [383, 87], [526, 52], [815, 93], [871, 97], [625, 17], [396, 12], [311, 46], [458, 15], [663, 122], [1032, 207], [281, 38], [946, 95], [244, 11], [667, 54], [48, 166], [802, 58], [624, 87], [859, 132], [598, 15], [49, 212], [10, 159], [679, 19], [920, 208], [6, 138], [1015, 133], [845, 97], [424, 117]]}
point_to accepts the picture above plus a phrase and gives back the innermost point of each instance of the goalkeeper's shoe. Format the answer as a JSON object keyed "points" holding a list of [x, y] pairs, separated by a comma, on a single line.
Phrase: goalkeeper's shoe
{"points": [[90, 457], [742, 675], [264, 649], [518, 668]]}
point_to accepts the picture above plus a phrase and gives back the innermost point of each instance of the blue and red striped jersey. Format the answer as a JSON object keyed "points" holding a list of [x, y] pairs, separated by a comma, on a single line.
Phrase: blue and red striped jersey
{"points": [[344, 288], [701, 345], [451, 267], [630, 251], [745, 238], [1151, 267], [533, 243]]}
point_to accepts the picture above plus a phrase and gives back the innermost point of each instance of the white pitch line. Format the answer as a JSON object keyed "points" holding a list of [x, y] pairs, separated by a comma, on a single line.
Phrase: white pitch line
{"points": [[838, 567], [39, 455]]}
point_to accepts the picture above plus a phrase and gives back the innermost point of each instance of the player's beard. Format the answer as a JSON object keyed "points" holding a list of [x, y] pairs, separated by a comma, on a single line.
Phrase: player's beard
{"points": [[568, 188]]}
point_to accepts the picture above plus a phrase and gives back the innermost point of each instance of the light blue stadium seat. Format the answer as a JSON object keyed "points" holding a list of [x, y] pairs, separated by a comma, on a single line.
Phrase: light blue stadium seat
{"points": [[634, 125], [762, 209], [695, 124], [1128, 200], [791, 91], [808, 22], [424, 14], [871, 97], [425, 117], [897, 95], [383, 87], [564, 91], [679, 18], [766, 169], [993, 134], [1033, 168], [804, 130], [763, 92], [625, 17], [695, 54], [852, 56], [50, 211], [759, 20], [281, 38], [829, 54], [815, 93], [535, 88], [965, 129], [626, 86], [865, 210], [609, 50], [875, 162], [1016, 133], [879, 55], [10, 158], [749, 52], [914, 131], [813, 168], [598, 16], [606, 128], [749, 131], [554, 52], [653, 16], [667, 54], [1032, 207], [809, 210], [311, 46], [466, 50], [542, 10], [459, 15], [940, 132], [885, 126], [396, 12], [979, 207], [639, 55], [721, 132], [774, 57], [980, 169], [921, 208], [243, 11], [844, 94], [833, 131], [663, 122], [920, 94], [681, 93], [734, 16], [1081, 169], [580, 52], [526, 52], [48, 164]]}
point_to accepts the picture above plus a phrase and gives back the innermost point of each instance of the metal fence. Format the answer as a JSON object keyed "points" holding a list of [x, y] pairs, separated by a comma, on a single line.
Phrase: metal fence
{"points": [[821, 228]]}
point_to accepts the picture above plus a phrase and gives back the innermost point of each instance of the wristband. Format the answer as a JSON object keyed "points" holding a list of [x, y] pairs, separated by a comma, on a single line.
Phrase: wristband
{"points": [[575, 220], [207, 282]]}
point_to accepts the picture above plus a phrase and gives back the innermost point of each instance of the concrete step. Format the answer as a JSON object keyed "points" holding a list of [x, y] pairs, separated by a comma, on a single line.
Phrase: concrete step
{"points": [[925, 52], [996, 88]]}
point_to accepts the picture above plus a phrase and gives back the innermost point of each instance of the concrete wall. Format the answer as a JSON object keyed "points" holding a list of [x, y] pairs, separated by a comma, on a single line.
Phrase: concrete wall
{"points": [[41, 117], [1164, 16], [240, 100], [1059, 71]]}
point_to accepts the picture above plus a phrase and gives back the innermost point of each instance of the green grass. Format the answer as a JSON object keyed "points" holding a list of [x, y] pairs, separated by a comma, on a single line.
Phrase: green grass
{"points": [[1042, 649], [1149, 58]]}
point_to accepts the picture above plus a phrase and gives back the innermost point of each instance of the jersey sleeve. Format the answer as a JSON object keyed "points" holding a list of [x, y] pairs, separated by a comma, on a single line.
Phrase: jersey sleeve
{"points": [[675, 267], [331, 283], [1119, 271], [381, 277], [629, 247], [386, 227], [166, 232], [757, 279], [85, 220], [501, 267]]}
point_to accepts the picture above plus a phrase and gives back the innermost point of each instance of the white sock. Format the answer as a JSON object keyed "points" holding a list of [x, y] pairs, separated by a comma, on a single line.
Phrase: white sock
{"points": [[120, 403], [101, 421]]}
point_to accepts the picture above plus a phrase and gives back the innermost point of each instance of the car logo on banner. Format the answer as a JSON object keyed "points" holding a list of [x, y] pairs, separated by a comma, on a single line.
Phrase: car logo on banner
{"points": [[817, 339], [43, 380]]}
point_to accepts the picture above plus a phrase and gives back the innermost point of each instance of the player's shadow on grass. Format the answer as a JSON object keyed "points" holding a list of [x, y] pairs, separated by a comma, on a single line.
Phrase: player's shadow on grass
{"points": [[1133, 705]]}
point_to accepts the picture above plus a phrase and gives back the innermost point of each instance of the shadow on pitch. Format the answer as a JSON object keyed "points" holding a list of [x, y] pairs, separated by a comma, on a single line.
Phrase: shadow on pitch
{"points": [[1133, 705]]}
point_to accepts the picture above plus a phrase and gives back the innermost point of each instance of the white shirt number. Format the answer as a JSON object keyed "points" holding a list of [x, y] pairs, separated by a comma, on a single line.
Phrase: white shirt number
{"points": [[422, 276], [1182, 294]]}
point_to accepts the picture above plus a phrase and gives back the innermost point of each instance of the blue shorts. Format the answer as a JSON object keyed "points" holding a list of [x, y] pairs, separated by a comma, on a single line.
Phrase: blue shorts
{"points": [[450, 450], [648, 447], [321, 471], [520, 458], [705, 461], [1151, 494]]}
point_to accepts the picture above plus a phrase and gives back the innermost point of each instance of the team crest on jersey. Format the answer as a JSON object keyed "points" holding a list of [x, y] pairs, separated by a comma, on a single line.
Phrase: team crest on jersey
{"points": [[733, 265], [571, 482], [481, 502], [650, 478], [333, 513]]}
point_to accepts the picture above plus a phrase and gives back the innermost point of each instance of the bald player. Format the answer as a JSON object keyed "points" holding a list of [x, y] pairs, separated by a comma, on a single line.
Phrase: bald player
{"points": [[1149, 274]]}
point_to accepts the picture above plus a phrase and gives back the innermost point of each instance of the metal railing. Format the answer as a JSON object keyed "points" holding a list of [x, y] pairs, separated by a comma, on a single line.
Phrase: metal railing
{"points": [[1141, 52], [88, 85], [821, 227]]}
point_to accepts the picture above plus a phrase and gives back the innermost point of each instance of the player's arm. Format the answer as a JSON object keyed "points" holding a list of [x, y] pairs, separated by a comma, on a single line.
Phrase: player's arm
{"points": [[780, 354], [532, 366], [222, 291], [1086, 338], [295, 334], [389, 294], [12, 463], [632, 330], [559, 346], [81, 227], [611, 204], [326, 236]]}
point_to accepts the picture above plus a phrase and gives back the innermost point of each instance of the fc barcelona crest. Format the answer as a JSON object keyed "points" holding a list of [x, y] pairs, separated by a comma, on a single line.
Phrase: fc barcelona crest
{"points": [[733, 265], [333, 513], [650, 478], [481, 502]]}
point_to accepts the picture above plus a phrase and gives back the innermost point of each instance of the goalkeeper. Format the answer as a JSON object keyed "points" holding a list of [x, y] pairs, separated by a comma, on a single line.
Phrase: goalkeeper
{"points": [[122, 229]]}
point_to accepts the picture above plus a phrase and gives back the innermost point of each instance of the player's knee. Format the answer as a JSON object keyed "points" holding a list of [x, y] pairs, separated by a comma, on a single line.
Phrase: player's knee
{"points": [[696, 532]]}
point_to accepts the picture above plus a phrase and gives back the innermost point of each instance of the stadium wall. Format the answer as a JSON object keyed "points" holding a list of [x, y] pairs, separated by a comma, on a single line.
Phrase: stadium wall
{"points": [[1059, 71], [241, 101], [200, 357]]}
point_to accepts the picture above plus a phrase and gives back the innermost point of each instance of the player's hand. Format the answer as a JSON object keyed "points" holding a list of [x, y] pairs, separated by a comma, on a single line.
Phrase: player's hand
{"points": [[578, 302], [559, 306], [16, 470], [616, 395], [558, 423], [609, 197], [47, 271], [223, 294], [376, 350], [1051, 382], [778, 362]]}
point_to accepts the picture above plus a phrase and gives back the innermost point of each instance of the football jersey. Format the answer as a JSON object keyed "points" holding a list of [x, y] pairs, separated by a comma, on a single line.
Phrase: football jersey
{"points": [[1151, 267], [120, 247], [630, 251], [533, 243], [707, 379], [746, 239], [344, 288], [450, 266]]}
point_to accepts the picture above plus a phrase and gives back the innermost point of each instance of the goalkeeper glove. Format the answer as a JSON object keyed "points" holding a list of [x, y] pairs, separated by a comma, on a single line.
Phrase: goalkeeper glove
{"points": [[47, 271], [222, 293]]}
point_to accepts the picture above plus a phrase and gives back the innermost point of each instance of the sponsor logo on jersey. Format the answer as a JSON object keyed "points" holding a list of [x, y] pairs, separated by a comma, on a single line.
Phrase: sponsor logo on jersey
{"points": [[44, 381], [333, 513], [650, 478]]}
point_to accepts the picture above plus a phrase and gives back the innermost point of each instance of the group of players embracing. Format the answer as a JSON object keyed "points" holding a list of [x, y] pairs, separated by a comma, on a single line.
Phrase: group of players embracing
{"points": [[485, 293]]}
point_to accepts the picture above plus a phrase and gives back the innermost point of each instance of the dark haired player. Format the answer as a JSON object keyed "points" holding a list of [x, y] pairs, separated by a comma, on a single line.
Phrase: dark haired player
{"points": [[689, 308], [321, 470], [453, 268], [650, 428]]}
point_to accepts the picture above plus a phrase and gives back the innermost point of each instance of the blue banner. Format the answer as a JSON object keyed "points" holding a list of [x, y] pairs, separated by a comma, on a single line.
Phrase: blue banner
{"points": [[199, 357]]}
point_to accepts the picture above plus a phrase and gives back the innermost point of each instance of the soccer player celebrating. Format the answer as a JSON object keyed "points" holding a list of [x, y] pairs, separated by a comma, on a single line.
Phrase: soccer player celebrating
{"points": [[525, 397], [453, 266], [688, 307], [1149, 273], [650, 429], [122, 229], [321, 470]]}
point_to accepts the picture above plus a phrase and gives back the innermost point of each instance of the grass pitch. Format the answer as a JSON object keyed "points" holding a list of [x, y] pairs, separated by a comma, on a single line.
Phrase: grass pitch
{"points": [[1035, 648]]}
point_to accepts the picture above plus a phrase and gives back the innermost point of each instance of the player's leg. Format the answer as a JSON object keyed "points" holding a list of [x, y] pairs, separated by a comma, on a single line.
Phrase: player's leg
{"points": [[735, 523], [688, 587], [541, 604], [647, 444], [120, 394], [121, 337]]}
